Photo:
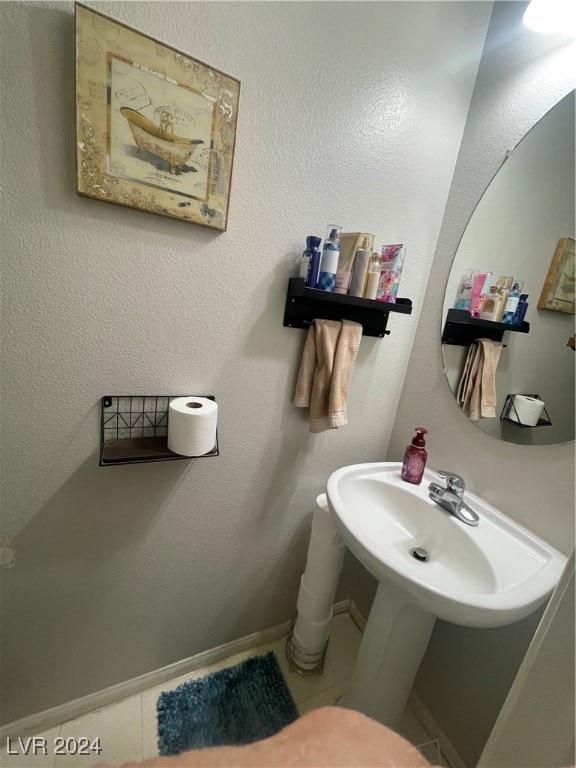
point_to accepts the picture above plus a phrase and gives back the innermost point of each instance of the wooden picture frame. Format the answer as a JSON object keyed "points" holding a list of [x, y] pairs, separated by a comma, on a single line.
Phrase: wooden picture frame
{"points": [[558, 291], [155, 128]]}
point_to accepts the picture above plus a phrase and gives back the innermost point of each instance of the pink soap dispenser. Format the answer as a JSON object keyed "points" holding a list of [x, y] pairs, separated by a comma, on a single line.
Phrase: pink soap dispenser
{"points": [[415, 458]]}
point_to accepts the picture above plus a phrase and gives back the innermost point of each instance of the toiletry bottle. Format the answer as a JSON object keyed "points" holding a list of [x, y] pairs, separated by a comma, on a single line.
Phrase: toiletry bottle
{"points": [[520, 313], [373, 277], [415, 458], [502, 299], [398, 267], [463, 297], [505, 281], [476, 291], [512, 303], [314, 255], [361, 259], [490, 304], [388, 264], [479, 293], [505, 284], [386, 281], [348, 247], [303, 265], [329, 261]]}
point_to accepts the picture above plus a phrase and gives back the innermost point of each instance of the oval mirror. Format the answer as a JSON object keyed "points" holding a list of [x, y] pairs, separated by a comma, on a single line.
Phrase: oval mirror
{"points": [[523, 228]]}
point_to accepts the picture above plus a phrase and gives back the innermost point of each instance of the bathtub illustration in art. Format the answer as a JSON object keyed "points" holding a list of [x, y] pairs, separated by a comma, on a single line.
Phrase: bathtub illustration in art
{"points": [[159, 140]]}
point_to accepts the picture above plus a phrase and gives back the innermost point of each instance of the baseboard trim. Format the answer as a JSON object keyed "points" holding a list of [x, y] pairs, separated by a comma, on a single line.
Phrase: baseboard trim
{"points": [[356, 616], [431, 725], [42, 721]]}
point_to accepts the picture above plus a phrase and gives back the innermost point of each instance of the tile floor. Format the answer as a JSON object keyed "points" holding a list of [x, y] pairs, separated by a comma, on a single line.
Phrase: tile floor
{"points": [[127, 730]]}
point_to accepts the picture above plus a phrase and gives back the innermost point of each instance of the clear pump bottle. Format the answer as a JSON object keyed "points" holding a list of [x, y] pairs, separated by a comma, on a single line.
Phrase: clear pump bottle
{"points": [[372, 277]]}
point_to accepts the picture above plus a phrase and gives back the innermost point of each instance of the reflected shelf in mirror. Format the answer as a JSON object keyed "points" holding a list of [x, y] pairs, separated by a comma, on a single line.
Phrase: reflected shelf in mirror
{"points": [[462, 329]]}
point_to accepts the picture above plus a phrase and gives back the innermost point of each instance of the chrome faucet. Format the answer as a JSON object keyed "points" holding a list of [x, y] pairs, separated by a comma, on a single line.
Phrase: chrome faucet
{"points": [[452, 497]]}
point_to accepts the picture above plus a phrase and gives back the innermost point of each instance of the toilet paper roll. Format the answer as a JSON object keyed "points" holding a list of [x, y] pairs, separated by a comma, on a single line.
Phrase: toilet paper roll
{"points": [[312, 607], [192, 425], [321, 582], [324, 529], [329, 556], [310, 636], [526, 410], [323, 526]]}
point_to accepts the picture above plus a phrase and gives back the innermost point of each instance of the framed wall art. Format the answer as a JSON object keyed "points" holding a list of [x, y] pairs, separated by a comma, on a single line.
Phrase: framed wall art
{"points": [[558, 291], [155, 128]]}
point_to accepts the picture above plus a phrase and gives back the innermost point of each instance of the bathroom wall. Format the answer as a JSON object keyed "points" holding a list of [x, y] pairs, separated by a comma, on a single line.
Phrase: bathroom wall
{"points": [[541, 699], [350, 113], [466, 674]]}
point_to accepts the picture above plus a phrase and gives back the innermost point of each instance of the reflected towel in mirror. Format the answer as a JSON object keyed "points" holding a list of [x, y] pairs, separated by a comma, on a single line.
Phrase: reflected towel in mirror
{"points": [[476, 391]]}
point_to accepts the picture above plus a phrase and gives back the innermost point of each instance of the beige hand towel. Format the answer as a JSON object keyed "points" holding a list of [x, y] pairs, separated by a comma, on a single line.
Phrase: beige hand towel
{"points": [[346, 352], [476, 391], [466, 383], [327, 336], [492, 351], [306, 373], [325, 372], [474, 394]]}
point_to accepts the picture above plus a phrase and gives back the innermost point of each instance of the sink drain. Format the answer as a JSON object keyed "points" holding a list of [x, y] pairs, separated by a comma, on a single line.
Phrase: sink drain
{"points": [[420, 554]]}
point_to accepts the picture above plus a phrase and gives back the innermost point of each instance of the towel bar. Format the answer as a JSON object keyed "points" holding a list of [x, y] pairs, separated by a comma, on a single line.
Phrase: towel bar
{"points": [[303, 305]]}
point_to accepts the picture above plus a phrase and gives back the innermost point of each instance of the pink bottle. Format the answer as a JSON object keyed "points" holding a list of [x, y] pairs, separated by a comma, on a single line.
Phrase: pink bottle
{"points": [[415, 458]]}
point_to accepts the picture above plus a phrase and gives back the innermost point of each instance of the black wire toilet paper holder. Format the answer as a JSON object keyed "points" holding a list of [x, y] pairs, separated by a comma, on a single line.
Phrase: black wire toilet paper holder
{"points": [[134, 429], [300, 661], [509, 406]]}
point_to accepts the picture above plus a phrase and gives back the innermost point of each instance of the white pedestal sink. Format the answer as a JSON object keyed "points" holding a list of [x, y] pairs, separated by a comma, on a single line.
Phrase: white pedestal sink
{"points": [[485, 576]]}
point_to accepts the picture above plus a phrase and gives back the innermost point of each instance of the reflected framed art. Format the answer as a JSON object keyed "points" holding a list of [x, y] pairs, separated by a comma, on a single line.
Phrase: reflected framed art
{"points": [[558, 291]]}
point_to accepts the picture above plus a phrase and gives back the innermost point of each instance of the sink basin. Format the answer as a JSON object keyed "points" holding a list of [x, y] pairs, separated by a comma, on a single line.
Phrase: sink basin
{"points": [[487, 576]]}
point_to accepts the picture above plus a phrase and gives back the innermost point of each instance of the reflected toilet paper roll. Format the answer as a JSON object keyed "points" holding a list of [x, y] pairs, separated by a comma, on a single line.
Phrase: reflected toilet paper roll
{"points": [[192, 425], [526, 410]]}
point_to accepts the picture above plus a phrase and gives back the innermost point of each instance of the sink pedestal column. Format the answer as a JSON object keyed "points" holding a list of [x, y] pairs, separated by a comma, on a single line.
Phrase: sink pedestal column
{"points": [[394, 642]]}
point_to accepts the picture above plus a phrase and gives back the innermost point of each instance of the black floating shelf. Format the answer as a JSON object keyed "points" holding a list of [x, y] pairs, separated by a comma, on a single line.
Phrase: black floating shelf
{"points": [[134, 429], [304, 305], [462, 329]]}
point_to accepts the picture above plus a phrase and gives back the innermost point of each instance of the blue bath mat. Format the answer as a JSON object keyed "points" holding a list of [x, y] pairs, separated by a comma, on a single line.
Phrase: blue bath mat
{"points": [[237, 705]]}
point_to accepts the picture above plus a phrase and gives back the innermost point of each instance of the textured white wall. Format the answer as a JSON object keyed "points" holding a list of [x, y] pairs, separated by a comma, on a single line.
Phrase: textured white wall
{"points": [[521, 76], [350, 112]]}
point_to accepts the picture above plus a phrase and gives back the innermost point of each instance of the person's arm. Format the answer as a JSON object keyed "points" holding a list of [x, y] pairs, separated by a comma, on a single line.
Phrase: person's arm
{"points": [[330, 737]]}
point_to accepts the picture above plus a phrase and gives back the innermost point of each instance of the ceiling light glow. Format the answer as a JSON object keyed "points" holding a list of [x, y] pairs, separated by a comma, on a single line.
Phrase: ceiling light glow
{"points": [[550, 16]]}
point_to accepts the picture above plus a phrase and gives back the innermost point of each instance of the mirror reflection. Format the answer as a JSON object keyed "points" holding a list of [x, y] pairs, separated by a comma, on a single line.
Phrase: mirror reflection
{"points": [[522, 230]]}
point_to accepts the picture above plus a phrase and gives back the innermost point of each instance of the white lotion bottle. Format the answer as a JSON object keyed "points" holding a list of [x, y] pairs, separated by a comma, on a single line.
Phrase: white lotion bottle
{"points": [[373, 277]]}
